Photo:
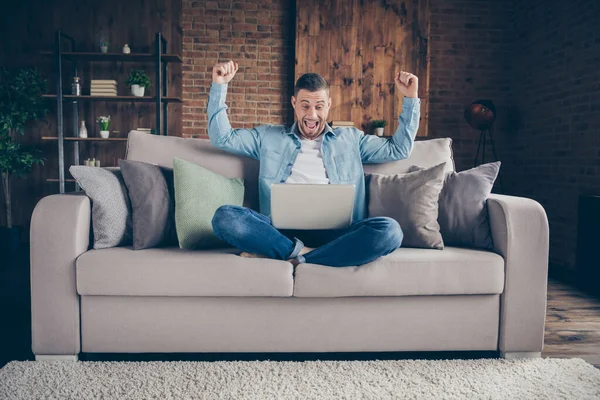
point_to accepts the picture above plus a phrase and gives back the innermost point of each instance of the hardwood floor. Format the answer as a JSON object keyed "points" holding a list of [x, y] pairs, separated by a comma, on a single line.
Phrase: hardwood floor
{"points": [[572, 324]]}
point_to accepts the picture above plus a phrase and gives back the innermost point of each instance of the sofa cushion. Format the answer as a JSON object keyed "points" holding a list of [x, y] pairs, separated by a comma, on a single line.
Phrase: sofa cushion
{"points": [[426, 153], [121, 271], [412, 200], [111, 208], [161, 150], [463, 213], [407, 272], [199, 192], [150, 189]]}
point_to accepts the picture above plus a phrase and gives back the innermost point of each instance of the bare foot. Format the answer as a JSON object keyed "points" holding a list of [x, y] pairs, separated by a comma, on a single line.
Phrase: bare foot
{"points": [[294, 261], [304, 250], [245, 254]]}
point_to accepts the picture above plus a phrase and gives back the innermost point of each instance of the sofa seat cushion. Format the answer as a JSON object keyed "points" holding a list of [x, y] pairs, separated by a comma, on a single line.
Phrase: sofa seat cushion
{"points": [[121, 271], [407, 272]]}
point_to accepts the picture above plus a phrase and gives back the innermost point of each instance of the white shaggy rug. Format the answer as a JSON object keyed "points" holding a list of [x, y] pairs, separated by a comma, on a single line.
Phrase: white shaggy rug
{"points": [[403, 379]]}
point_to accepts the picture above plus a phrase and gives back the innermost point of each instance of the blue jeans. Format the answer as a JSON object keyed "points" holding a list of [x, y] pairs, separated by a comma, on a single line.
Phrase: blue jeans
{"points": [[360, 243]]}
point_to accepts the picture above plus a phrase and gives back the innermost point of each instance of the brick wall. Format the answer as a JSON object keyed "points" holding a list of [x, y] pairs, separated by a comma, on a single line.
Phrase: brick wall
{"points": [[555, 156], [259, 35], [470, 46]]}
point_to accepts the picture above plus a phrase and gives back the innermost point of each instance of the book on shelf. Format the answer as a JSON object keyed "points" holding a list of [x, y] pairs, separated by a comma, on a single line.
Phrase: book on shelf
{"points": [[103, 94], [103, 90], [110, 89], [342, 123], [103, 86], [103, 81]]}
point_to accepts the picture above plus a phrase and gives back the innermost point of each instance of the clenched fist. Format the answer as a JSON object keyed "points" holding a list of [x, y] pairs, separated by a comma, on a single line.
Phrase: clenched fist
{"points": [[224, 72], [407, 84]]}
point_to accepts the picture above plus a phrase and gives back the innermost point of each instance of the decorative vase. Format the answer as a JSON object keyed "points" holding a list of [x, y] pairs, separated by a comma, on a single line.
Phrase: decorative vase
{"points": [[137, 90], [104, 134], [126, 49], [83, 130], [379, 131], [103, 49]]}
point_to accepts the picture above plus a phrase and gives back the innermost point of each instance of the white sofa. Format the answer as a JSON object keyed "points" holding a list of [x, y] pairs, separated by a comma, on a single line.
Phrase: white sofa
{"points": [[169, 300]]}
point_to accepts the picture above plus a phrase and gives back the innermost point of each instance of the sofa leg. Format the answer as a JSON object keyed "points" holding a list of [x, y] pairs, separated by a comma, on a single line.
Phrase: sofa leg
{"points": [[57, 357], [513, 355]]}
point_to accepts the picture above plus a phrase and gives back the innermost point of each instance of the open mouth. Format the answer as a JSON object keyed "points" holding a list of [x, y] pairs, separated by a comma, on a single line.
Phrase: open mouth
{"points": [[311, 125]]}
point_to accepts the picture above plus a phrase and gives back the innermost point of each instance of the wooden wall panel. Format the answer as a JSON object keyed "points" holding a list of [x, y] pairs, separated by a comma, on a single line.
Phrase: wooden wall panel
{"points": [[358, 46], [27, 27]]}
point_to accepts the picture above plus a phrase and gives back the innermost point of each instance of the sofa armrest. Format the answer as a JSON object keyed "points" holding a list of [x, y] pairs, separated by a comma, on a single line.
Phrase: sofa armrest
{"points": [[520, 233], [60, 231]]}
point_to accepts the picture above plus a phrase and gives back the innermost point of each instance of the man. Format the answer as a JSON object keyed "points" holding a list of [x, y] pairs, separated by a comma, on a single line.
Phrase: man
{"points": [[310, 152]]}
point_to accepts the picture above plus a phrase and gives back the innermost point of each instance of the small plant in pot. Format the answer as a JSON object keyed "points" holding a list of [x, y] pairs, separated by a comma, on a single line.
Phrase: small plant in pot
{"points": [[103, 42], [20, 103], [378, 125], [104, 123], [139, 81]]}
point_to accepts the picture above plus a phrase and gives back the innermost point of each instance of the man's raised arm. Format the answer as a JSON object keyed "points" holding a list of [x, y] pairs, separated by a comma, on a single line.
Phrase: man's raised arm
{"points": [[245, 142], [374, 149]]}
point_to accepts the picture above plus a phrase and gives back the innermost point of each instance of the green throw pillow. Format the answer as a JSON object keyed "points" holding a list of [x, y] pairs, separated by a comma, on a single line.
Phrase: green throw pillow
{"points": [[198, 194]]}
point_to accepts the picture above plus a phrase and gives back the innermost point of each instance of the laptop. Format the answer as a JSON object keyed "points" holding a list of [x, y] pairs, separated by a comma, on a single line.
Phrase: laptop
{"points": [[312, 206]]}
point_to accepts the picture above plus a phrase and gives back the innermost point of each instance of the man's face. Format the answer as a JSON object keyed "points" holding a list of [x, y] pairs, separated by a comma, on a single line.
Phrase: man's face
{"points": [[311, 110]]}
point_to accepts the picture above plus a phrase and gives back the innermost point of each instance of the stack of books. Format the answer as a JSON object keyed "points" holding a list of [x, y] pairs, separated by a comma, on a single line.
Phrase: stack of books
{"points": [[99, 87]]}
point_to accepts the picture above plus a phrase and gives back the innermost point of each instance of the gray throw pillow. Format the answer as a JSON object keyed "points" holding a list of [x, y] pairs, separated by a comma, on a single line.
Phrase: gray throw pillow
{"points": [[111, 209], [463, 213], [412, 200], [150, 190]]}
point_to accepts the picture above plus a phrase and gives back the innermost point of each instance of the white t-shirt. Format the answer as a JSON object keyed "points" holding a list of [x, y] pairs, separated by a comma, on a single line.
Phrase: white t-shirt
{"points": [[309, 167]]}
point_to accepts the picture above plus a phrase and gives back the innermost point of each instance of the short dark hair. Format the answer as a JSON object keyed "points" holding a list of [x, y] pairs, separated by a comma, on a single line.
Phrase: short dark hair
{"points": [[311, 82]]}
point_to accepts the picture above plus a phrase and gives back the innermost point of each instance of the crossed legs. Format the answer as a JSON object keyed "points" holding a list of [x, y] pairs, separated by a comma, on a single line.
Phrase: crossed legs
{"points": [[360, 243]]}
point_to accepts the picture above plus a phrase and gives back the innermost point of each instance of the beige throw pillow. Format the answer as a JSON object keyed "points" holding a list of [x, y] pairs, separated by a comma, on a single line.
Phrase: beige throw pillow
{"points": [[412, 200]]}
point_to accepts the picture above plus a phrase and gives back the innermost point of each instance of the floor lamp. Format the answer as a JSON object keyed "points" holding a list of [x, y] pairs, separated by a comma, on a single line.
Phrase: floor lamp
{"points": [[481, 115]]}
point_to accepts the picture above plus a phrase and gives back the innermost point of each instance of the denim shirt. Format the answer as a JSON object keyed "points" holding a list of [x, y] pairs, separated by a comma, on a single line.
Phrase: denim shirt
{"points": [[344, 149]]}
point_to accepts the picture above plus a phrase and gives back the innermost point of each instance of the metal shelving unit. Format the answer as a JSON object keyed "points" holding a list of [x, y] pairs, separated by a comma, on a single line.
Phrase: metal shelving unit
{"points": [[160, 58]]}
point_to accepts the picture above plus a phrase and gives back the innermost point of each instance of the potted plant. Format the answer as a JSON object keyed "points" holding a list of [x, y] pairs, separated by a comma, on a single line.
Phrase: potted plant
{"points": [[104, 123], [378, 125], [20, 103], [103, 42], [139, 81]]}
